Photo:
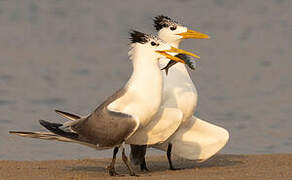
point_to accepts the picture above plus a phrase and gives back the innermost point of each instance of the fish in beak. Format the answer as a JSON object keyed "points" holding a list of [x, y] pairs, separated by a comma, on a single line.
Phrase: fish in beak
{"points": [[187, 59], [177, 51]]}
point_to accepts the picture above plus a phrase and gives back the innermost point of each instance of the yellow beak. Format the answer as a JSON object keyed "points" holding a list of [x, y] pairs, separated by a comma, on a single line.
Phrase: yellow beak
{"points": [[190, 34], [176, 50]]}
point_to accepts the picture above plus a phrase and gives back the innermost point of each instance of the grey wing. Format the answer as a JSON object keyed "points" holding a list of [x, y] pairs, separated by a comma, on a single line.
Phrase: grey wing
{"points": [[106, 128]]}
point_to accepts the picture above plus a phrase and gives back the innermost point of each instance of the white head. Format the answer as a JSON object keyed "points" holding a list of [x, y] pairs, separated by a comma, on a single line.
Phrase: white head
{"points": [[172, 32], [154, 48]]}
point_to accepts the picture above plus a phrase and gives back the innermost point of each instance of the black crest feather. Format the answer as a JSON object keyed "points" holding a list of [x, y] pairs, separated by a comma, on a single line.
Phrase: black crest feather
{"points": [[161, 21], [138, 37]]}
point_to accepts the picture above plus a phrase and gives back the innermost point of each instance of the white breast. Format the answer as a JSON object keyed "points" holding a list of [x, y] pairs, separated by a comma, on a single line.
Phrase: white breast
{"points": [[143, 95], [179, 90]]}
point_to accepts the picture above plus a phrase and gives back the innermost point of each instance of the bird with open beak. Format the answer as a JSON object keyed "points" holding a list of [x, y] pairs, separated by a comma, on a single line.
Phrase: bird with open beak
{"points": [[195, 139], [124, 113]]}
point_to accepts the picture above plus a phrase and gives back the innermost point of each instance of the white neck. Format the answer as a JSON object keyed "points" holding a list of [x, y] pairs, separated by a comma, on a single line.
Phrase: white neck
{"points": [[146, 73], [175, 43], [146, 84]]}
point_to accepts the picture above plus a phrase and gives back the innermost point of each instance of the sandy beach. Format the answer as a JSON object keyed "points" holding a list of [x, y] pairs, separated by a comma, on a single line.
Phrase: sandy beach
{"points": [[72, 55], [223, 166]]}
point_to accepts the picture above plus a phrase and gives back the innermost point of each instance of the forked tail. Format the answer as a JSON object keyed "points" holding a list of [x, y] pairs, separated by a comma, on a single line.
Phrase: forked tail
{"points": [[55, 134], [72, 117]]}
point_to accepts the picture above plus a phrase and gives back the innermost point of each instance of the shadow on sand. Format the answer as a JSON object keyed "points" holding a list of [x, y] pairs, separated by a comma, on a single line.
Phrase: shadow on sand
{"points": [[160, 163]]}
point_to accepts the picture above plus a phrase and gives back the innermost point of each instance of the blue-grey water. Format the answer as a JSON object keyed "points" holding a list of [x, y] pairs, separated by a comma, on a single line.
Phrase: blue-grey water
{"points": [[72, 54]]}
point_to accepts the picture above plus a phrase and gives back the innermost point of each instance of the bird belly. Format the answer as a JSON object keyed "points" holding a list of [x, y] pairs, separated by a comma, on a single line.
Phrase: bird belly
{"points": [[183, 97], [179, 90]]}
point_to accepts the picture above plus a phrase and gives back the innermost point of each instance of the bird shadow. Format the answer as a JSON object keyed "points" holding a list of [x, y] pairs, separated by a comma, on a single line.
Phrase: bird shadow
{"points": [[98, 166], [86, 168], [158, 164], [89, 166], [215, 161]]}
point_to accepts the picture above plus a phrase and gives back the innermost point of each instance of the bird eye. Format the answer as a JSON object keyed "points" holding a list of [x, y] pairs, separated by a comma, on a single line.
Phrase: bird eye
{"points": [[153, 43], [172, 28]]}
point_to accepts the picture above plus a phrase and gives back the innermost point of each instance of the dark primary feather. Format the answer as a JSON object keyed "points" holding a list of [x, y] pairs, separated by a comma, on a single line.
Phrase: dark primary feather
{"points": [[54, 127], [68, 115]]}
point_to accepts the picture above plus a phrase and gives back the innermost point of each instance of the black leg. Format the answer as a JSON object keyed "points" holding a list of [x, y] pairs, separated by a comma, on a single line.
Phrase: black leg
{"points": [[111, 167], [125, 159], [143, 166], [169, 157]]}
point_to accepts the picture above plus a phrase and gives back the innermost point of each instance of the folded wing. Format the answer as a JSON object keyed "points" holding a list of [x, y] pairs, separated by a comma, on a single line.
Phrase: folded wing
{"points": [[161, 127]]}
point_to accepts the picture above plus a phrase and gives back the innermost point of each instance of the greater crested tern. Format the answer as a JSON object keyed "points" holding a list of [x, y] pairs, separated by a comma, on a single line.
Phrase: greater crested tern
{"points": [[195, 139], [123, 113]]}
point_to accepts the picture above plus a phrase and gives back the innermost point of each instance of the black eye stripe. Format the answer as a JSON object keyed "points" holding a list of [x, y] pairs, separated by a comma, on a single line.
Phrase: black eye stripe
{"points": [[153, 43]]}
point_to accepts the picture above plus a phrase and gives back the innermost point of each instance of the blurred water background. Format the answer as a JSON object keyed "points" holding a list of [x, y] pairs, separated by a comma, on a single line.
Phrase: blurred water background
{"points": [[72, 54]]}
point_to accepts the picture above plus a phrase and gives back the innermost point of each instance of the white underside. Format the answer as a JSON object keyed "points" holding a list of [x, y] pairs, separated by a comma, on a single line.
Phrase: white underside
{"points": [[196, 140], [179, 90], [142, 100]]}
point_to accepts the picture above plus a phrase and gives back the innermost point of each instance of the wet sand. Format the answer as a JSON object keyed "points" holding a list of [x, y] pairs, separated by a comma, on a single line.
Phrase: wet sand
{"points": [[269, 166]]}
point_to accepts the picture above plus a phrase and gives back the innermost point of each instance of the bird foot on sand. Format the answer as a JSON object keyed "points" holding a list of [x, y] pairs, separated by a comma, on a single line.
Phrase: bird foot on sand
{"points": [[134, 174], [112, 171]]}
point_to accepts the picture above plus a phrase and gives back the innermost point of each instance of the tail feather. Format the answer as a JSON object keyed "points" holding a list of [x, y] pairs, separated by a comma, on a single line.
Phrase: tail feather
{"points": [[54, 128], [41, 135], [70, 116], [50, 136]]}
